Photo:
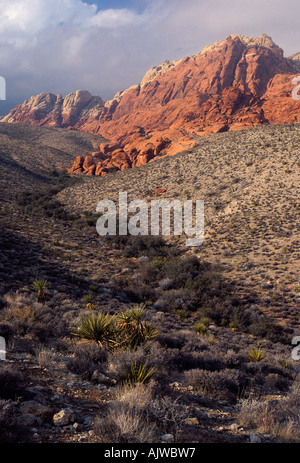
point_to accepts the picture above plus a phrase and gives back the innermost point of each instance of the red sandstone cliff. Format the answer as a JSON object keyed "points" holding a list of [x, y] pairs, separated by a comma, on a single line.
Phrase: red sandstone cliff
{"points": [[234, 84]]}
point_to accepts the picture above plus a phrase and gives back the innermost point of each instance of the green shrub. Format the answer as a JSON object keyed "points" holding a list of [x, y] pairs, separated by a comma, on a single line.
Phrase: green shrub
{"points": [[97, 327], [200, 328], [127, 330], [40, 286], [271, 331], [138, 372], [133, 331], [147, 245], [256, 354]]}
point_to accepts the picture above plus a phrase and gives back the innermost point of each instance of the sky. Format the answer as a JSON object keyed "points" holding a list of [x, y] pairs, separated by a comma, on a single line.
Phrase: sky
{"points": [[105, 46]]}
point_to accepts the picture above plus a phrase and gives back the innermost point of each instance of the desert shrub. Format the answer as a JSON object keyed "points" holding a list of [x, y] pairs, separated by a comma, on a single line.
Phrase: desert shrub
{"points": [[253, 413], [174, 300], [182, 270], [82, 366], [21, 318], [277, 382], [88, 218], [184, 361], [267, 373], [97, 327], [127, 419], [196, 343], [133, 331], [138, 372], [149, 272], [43, 201], [146, 245], [172, 341], [138, 414], [226, 384], [232, 359], [191, 284], [38, 321], [269, 330], [168, 414], [132, 289], [92, 353], [87, 359], [279, 418]]}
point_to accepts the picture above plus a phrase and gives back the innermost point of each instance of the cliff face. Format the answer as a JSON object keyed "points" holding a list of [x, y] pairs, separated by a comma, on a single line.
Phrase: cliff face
{"points": [[51, 110], [234, 84]]}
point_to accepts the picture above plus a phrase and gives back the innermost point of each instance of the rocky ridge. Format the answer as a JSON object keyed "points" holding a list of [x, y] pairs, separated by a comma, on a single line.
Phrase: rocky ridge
{"points": [[234, 84]]}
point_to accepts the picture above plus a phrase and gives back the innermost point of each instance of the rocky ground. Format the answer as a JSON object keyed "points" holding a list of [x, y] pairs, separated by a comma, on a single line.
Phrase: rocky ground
{"points": [[61, 389]]}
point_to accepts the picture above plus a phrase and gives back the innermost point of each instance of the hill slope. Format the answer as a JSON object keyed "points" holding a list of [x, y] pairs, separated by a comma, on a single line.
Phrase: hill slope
{"points": [[249, 181], [28, 153], [222, 361]]}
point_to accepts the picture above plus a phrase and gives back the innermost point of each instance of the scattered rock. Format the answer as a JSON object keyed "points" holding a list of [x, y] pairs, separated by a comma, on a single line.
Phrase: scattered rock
{"points": [[64, 417], [192, 421], [254, 438], [167, 438]]}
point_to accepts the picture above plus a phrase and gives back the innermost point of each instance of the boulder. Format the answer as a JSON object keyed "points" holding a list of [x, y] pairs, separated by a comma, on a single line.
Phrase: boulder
{"points": [[64, 417]]}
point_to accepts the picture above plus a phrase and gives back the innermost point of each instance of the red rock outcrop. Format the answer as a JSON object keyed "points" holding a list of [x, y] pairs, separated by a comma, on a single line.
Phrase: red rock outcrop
{"points": [[234, 84], [51, 110]]}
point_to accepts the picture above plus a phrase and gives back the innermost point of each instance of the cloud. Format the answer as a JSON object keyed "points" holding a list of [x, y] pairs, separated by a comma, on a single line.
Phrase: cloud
{"points": [[63, 45], [115, 18]]}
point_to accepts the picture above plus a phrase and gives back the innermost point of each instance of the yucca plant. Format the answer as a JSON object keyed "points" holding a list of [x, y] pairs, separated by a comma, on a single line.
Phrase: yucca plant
{"points": [[40, 286], [133, 331], [138, 372], [256, 354], [200, 328], [97, 327]]}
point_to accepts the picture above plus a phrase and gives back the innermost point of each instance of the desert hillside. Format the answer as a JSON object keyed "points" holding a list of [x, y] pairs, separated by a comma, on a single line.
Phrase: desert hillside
{"points": [[249, 181], [141, 339], [28, 153]]}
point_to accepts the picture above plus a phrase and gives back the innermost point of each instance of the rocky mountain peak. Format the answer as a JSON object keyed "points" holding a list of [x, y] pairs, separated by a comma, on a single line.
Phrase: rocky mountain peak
{"points": [[234, 84]]}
